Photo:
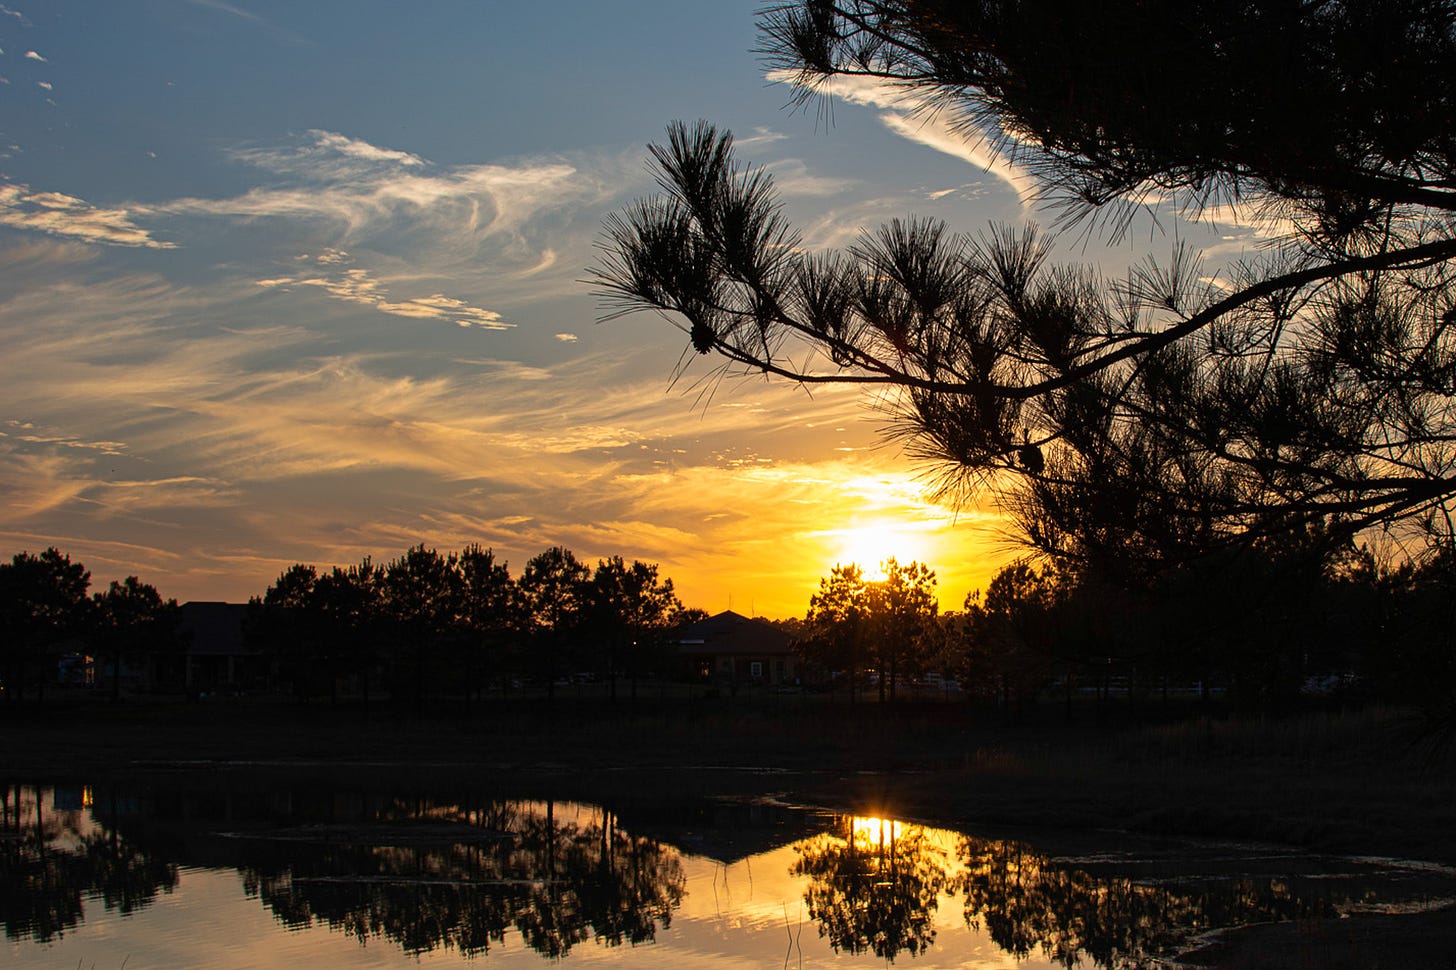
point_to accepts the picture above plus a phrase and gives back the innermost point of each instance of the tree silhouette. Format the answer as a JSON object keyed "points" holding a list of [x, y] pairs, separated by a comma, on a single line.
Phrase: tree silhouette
{"points": [[131, 620], [838, 621], [553, 588], [1008, 637], [490, 614], [347, 605], [455, 621], [628, 611], [286, 622], [420, 600], [1154, 418], [51, 865], [1026, 902], [556, 882], [889, 621], [902, 609], [42, 603]]}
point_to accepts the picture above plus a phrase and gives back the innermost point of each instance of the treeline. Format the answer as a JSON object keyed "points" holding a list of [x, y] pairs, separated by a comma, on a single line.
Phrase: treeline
{"points": [[553, 882], [47, 612], [1263, 626], [426, 624], [460, 623]]}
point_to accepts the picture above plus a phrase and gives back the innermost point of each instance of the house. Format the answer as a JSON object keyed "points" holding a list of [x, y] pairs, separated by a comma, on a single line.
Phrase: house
{"points": [[217, 654], [737, 649]]}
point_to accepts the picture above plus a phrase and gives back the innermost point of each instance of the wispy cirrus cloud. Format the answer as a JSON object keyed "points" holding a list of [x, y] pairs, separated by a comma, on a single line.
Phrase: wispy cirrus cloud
{"points": [[26, 431], [793, 178], [934, 131], [760, 136], [355, 285], [58, 214], [329, 141], [359, 190], [525, 227], [235, 11], [420, 229]]}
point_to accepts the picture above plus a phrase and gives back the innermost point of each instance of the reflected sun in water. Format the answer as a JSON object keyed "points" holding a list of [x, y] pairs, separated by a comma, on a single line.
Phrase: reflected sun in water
{"points": [[874, 830]]}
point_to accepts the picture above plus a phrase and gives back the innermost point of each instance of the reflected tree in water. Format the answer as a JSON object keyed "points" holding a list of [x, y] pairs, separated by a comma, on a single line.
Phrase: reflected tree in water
{"points": [[557, 883], [873, 887], [41, 887], [50, 863], [1026, 902]]}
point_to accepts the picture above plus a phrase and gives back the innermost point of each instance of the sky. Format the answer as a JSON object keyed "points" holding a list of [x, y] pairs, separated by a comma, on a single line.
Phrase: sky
{"points": [[305, 282]]}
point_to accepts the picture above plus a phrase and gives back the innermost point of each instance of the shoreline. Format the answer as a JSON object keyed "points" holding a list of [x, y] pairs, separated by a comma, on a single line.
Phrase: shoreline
{"points": [[1344, 783]]}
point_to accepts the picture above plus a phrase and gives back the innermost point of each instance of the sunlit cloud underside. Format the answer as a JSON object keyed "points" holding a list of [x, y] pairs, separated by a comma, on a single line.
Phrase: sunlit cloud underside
{"points": [[364, 349], [209, 464]]}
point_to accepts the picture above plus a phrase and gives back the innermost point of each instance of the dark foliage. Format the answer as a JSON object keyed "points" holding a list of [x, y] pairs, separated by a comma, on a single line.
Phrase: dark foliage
{"points": [[432, 623], [1149, 421], [42, 605]]}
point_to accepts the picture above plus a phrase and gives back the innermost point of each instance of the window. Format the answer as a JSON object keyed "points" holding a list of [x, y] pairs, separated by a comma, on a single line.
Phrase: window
{"points": [[755, 669]]}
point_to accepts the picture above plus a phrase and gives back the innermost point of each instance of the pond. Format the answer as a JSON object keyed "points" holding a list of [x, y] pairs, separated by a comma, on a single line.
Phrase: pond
{"points": [[235, 870]]}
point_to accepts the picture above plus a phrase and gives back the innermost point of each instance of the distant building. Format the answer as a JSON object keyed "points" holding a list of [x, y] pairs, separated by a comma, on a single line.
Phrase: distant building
{"points": [[737, 649], [216, 654]]}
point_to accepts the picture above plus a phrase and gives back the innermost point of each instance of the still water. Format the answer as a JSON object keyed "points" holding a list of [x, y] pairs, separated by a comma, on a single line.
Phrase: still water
{"points": [[219, 870]]}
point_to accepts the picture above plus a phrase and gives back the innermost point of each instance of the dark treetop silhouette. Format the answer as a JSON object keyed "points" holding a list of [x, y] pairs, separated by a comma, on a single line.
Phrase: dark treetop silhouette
{"points": [[1139, 421], [887, 622], [460, 621]]}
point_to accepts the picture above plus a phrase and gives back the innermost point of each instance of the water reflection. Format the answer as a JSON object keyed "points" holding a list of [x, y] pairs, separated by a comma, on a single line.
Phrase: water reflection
{"points": [[428, 876], [51, 861], [874, 885], [477, 875], [1029, 902]]}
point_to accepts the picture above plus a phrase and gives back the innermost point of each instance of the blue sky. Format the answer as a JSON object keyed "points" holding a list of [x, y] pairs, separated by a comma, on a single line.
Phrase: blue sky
{"points": [[302, 282]]}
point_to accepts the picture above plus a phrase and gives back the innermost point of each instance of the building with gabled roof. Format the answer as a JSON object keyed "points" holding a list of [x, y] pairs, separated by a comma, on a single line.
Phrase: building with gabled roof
{"points": [[737, 649], [218, 655]]}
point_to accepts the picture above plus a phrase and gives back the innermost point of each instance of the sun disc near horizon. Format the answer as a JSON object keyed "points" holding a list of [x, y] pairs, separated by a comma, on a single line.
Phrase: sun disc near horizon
{"points": [[870, 545]]}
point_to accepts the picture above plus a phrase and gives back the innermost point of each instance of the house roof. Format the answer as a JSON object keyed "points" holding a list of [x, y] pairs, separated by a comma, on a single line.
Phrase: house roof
{"points": [[216, 628], [733, 633]]}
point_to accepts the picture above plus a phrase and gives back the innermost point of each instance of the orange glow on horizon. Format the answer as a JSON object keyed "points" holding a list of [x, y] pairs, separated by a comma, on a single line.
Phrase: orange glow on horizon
{"points": [[808, 518]]}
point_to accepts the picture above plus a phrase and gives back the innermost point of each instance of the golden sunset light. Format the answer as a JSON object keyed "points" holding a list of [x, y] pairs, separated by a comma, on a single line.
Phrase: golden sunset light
{"points": [[871, 544], [330, 340], [875, 831], [498, 485]]}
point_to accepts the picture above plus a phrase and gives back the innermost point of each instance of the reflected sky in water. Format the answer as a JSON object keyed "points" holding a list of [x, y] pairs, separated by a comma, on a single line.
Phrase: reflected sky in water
{"points": [[262, 876]]}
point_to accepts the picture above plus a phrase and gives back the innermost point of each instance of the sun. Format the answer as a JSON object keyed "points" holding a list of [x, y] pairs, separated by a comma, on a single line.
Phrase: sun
{"points": [[868, 545]]}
